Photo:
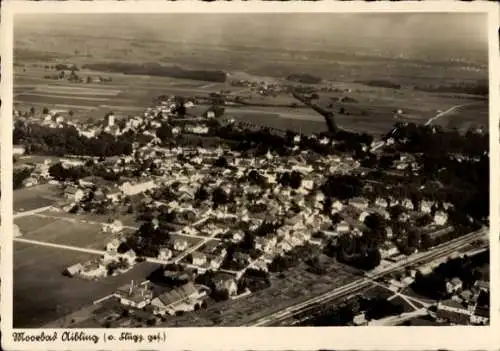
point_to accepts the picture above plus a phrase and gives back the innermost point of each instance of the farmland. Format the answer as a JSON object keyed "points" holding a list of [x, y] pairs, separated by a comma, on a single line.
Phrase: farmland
{"points": [[35, 197], [63, 232], [344, 64], [42, 294]]}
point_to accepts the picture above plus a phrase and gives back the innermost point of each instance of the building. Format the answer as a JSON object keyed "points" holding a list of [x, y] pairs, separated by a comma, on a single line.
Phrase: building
{"points": [[227, 284], [453, 286], [164, 254], [481, 316], [17, 231], [74, 194], [453, 312], [186, 298], [73, 270], [93, 270], [440, 218], [359, 203], [134, 295], [198, 258], [180, 245], [133, 189], [18, 150]]}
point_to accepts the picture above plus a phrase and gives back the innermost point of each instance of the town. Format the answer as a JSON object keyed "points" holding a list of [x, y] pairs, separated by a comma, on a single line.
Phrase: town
{"points": [[224, 209], [225, 170]]}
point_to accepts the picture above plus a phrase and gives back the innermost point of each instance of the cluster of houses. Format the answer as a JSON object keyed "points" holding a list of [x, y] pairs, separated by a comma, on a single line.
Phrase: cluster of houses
{"points": [[101, 267], [463, 307]]}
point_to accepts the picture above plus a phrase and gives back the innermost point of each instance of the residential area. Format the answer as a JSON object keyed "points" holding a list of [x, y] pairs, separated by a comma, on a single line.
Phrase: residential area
{"points": [[220, 221]]}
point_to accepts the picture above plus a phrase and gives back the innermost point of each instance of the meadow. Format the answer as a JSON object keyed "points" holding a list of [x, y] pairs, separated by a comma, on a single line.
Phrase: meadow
{"points": [[41, 292]]}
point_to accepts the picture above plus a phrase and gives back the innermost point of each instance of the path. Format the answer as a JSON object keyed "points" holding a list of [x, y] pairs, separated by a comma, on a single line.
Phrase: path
{"points": [[448, 111]]}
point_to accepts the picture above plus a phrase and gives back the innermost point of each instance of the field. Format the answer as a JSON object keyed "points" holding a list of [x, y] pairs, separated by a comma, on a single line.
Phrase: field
{"points": [[42, 293], [126, 95], [27, 199], [63, 232]]}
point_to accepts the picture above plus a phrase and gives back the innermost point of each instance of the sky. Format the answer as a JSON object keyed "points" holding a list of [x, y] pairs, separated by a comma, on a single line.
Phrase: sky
{"points": [[410, 32]]}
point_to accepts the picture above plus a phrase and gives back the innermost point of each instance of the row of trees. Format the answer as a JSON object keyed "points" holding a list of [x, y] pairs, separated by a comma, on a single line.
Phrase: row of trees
{"points": [[39, 139]]}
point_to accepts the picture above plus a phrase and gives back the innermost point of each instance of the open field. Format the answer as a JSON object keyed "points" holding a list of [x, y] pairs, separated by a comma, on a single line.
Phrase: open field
{"points": [[27, 199], [42, 293], [63, 232], [373, 112]]}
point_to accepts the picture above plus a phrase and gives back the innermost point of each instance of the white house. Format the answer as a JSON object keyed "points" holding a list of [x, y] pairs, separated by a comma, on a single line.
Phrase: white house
{"points": [[180, 245], [408, 204], [337, 205], [113, 245], [133, 189], [342, 227], [426, 206], [381, 202], [164, 254], [440, 218], [199, 258]]}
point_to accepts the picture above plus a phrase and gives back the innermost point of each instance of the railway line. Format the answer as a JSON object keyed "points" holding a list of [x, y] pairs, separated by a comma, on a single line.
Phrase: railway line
{"points": [[279, 317]]}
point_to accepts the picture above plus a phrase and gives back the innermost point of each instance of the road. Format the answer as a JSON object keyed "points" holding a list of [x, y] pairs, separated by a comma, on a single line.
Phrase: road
{"points": [[450, 110], [379, 144], [395, 320], [362, 283]]}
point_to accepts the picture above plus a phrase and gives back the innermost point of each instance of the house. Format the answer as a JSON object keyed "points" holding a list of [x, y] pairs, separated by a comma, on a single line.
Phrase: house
{"points": [[360, 319], [408, 204], [113, 245], [185, 298], [17, 231], [180, 245], [359, 203], [482, 285], [216, 262], [388, 250], [133, 189], [481, 316], [237, 236], [18, 150], [73, 270], [134, 295], [74, 194], [114, 227], [453, 312], [381, 202], [342, 227], [227, 284], [93, 270], [130, 256], [198, 258], [426, 206], [453, 286], [440, 218], [164, 254]]}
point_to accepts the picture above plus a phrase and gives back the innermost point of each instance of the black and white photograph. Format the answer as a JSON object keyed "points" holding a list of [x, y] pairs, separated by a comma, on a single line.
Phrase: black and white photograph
{"points": [[232, 169]]}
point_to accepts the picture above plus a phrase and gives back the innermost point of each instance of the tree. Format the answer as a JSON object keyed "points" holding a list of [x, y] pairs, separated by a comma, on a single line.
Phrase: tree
{"points": [[71, 113], [295, 180], [32, 111], [45, 111]]}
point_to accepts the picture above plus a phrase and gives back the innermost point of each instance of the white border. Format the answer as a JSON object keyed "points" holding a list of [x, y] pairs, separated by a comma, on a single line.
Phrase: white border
{"points": [[366, 338]]}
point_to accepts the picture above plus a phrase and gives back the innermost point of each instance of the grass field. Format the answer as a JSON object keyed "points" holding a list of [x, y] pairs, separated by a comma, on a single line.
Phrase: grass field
{"points": [[131, 95], [63, 232], [27, 199], [43, 294]]}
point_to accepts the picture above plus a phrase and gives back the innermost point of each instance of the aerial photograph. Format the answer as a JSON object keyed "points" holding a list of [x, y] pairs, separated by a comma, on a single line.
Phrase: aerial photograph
{"points": [[264, 169]]}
